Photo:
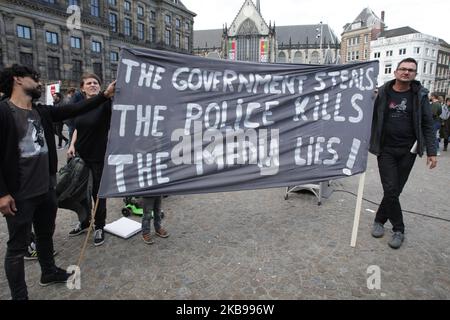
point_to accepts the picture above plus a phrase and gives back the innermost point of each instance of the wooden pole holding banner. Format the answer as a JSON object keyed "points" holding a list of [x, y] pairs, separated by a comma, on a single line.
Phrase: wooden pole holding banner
{"points": [[88, 233], [362, 179]]}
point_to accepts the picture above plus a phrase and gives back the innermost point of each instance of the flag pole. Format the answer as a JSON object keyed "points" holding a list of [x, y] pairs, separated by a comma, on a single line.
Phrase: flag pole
{"points": [[362, 179], [88, 233]]}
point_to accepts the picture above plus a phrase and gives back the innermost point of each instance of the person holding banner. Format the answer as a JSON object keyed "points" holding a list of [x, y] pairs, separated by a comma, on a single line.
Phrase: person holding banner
{"points": [[152, 204], [402, 127], [89, 140], [28, 164]]}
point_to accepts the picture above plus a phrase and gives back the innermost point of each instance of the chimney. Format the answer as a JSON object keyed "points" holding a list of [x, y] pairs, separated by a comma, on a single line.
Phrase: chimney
{"points": [[382, 15], [258, 6], [383, 26]]}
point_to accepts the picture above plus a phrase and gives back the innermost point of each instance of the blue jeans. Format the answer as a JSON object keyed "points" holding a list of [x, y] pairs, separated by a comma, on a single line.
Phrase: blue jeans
{"points": [[151, 204], [437, 127], [41, 212]]}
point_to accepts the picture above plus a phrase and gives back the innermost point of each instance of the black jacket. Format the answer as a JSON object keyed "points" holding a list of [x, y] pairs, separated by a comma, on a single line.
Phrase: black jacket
{"points": [[9, 142], [422, 120]]}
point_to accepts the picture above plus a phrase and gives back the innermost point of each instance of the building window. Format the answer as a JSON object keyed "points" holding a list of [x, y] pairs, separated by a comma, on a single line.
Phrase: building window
{"points": [[140, 31], [74, 2], [127, 5], [140, 11], [95, 8], [388, 69], [389, 53], [377, 55], [186, 43], [113, 22], [178, 23], [431, 68], [417, 50], [433, 53], [168, 19], [153, 15], [75, 42], [114, 56], [168, 37], [366, 38], [51, 37], [53, 68], [187, 26], [402, 51], [427, 51], [26, 59], [366, 54], [77, 70], [98, 70], [424, 67], [23, 32], [152, 34], [112, 2], [127, 27], [96, 46], [177, 40]]}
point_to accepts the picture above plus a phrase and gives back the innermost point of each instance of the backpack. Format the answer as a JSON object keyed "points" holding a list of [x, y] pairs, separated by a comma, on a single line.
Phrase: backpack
{"points": [[74, 181], [445, 114]]}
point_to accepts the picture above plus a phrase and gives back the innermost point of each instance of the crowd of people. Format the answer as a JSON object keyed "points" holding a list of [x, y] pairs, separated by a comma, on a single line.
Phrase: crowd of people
{"points": [[405, 125]]}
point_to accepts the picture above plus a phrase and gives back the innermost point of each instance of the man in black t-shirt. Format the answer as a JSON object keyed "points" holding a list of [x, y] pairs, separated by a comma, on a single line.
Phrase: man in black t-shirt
{"points": [[402, 127], [28, 164]]}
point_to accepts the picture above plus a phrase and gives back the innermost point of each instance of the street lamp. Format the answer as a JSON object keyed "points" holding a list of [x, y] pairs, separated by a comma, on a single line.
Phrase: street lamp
{"points": [[319, 31]]}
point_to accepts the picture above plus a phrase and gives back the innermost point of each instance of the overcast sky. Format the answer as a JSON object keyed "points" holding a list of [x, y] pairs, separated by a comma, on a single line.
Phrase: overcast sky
{"points": [[430, 17]]}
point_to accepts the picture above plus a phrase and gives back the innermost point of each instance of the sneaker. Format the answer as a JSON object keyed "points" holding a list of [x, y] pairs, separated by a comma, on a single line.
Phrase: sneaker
{"points": [[161, 232], [147, 238], [79, 229], [32, 254], [59, 276], [99, 237], [397, 240], [377, 230]]}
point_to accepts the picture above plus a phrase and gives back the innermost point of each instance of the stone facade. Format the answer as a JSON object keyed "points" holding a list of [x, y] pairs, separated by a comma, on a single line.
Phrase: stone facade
{"points": [[250, 38], [38, 33], [356, 38]]}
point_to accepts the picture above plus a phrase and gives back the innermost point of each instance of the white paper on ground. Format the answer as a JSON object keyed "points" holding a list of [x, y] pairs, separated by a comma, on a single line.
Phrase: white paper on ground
{"points": [[124, 227]]}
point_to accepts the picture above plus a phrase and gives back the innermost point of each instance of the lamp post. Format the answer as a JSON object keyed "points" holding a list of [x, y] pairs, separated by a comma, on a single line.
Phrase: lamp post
{"points": [[319, 31]]}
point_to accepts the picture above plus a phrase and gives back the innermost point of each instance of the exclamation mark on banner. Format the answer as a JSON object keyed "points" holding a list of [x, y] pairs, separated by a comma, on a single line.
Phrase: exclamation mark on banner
{"points": [[352, 158]]}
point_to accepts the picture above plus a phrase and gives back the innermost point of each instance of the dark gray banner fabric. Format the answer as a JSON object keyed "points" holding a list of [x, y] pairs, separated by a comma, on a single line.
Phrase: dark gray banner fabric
{"points": [[184, 124]]}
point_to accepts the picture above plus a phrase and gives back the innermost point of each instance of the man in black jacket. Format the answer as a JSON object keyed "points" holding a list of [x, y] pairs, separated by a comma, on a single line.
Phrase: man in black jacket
{"points": [[402, 127], [28, 165]]}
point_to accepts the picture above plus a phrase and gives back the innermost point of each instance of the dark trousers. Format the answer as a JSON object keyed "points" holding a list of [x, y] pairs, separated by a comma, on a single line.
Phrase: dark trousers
{"points": [[40, 212], [394, 165], [100, 214], [151, 204], [58, 131]]}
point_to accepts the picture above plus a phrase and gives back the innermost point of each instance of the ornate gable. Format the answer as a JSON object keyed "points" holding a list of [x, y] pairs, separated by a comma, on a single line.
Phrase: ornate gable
{"points": [[248, 21]]}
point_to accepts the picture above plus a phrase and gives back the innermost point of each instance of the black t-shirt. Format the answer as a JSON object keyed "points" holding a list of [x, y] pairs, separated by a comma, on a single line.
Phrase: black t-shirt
{"points": [[34, 170], [92, 133], [398, 123]]}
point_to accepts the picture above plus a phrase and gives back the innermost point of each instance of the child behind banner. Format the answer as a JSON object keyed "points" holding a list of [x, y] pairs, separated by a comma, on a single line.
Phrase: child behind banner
{"points": [[152, 205]]}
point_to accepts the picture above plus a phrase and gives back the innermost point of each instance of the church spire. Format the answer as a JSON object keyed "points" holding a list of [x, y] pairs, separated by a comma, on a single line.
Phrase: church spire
{"points": [[258, 6]]}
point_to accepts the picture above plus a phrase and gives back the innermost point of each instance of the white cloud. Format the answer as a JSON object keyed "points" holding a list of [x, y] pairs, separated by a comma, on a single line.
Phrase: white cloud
{"points": [[430, 17]]}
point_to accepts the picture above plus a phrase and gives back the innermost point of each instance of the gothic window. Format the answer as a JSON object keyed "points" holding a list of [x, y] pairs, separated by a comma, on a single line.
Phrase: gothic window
{"points": [[248, 42], [282, 57], [298, 58], [315, 57]]}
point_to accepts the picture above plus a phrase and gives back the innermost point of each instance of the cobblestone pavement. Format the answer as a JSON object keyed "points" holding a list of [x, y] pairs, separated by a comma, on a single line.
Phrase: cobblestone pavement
{"points": [[256, 245]]}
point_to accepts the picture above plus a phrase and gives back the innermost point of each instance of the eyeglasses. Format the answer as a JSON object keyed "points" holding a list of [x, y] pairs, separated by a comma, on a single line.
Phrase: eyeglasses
{"points": [[406, 69]]}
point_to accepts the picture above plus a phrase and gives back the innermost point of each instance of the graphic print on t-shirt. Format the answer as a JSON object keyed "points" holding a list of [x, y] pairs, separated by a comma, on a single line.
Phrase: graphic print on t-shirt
{"points": [[398, 108], [33, 143]]}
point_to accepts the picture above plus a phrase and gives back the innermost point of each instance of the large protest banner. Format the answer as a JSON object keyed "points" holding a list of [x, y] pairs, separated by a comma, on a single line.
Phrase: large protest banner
{"points": [[183, 124]]}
